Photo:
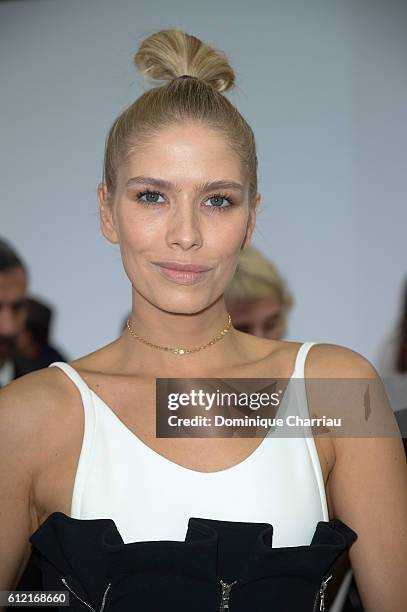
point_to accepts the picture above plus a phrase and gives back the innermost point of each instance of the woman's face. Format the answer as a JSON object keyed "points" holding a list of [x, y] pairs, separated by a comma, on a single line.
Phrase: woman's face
{"points": [[182, 197]]}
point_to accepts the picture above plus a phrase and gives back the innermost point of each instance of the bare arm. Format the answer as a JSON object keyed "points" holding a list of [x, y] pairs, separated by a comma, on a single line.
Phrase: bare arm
{"points": [[15, 488], [368, 489], [24, 404]]}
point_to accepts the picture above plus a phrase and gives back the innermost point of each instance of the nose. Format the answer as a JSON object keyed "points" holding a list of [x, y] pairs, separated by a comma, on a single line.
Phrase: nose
{"points": [[184, 229], [10, 322]]}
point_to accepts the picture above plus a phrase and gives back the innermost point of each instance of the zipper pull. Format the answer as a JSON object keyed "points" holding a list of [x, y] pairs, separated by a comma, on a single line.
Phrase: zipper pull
{"points": [[322, 593], [224, 602]]}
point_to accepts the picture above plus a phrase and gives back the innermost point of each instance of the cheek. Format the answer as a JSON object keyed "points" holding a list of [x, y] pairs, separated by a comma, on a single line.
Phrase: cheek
{"points": [[131, 242], [137, 231], [226, 235]]}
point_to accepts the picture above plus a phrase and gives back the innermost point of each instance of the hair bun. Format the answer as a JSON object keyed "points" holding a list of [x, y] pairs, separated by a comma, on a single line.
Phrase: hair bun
{"points": [[168, 54]]}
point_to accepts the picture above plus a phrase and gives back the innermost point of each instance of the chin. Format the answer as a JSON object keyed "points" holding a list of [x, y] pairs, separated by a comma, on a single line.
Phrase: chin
{"points": [[187, 305]]}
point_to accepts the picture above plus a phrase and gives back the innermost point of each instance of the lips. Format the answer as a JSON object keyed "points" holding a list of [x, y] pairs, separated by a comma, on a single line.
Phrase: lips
{"points": [[182, 267], [182, 273]]}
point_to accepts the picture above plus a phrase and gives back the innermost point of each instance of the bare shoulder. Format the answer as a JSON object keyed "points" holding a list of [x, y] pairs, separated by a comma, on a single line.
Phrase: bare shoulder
{"points": [[340, 363], [31, 407], [335, 361], [41, 396], [35, 393], [324, 360]]}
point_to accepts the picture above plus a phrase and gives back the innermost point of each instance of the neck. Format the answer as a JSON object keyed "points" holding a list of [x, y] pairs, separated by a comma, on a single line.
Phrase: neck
{"points": [[175, 330]]}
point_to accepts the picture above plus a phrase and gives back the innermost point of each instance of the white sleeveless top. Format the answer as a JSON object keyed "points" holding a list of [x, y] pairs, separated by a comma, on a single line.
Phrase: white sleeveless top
{"points": [[150, 497]]}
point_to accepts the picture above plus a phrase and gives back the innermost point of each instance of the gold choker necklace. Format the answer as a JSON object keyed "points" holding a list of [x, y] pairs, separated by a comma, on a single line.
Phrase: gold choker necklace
{"points": [[183, 351]]}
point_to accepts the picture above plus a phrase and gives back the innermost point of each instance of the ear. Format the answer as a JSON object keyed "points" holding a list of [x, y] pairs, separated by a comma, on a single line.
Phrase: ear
{"points": [[251, 221], [106, 214]]}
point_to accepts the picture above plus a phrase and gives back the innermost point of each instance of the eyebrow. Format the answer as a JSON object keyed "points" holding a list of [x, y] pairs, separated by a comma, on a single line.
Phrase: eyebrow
{"points": [[201, 188]]}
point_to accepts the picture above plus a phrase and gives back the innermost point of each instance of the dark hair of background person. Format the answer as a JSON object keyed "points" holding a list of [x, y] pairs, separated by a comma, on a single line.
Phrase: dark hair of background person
{"points": [[13, 293], [401, 350], [9, 259], [33, 350]]}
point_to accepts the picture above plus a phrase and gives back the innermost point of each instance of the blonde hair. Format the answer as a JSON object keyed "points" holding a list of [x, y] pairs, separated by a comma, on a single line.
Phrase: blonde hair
{"points": [[256, 277], [164, 56]]}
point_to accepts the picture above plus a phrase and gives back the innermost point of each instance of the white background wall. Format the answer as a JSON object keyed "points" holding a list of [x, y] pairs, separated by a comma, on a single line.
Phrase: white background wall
{"points": [[324, 86]]}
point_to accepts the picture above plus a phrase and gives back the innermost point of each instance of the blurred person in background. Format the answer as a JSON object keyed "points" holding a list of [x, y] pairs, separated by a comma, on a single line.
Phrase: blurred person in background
{"points": [[13, 288], [392, 365], [32, 343], [258, 298], [392, 358]]}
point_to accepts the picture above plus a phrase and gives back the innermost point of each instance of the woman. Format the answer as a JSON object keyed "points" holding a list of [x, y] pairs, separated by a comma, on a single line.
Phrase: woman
{"points": [[180, 197], [258, 299]]}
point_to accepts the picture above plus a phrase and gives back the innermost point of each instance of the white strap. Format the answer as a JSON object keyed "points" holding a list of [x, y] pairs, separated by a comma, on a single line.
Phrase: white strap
{"points": [[89, 433], [299, 366]]}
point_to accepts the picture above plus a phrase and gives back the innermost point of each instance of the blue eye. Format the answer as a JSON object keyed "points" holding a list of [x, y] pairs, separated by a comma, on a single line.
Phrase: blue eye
{"points": [[151, 195], [217, 201]]}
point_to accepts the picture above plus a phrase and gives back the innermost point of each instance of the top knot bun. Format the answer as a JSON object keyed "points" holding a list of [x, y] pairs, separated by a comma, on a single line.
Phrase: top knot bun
{"points": [[169, 54]]}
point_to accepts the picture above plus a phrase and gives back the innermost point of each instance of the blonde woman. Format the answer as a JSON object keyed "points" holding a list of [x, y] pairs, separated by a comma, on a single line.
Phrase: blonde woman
{"points": [[258, 298], [179, 196]]}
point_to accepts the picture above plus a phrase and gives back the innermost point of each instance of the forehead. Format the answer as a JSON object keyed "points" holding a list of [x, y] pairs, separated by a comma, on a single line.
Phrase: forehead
{"points": [[12, 284], [186, 152]]}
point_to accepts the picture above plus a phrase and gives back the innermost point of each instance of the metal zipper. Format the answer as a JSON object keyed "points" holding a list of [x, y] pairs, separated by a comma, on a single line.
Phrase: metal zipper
{"points": [[224, 598], [320, 596], [84, 602]]}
